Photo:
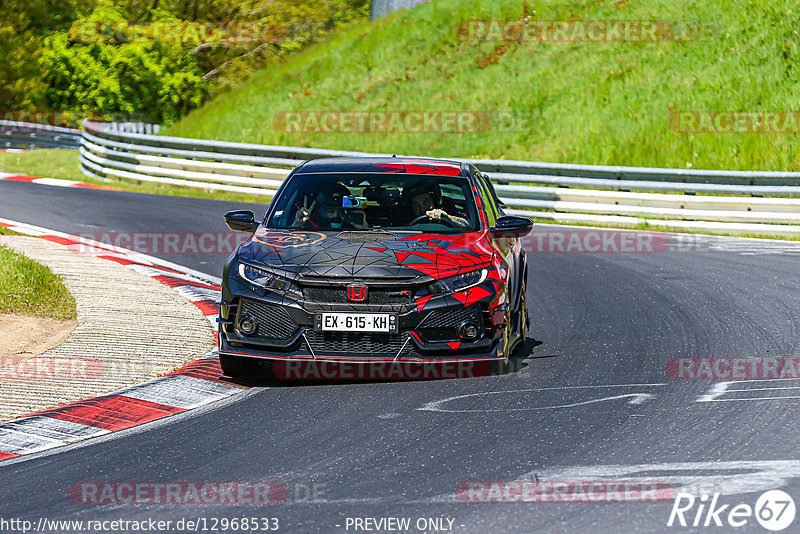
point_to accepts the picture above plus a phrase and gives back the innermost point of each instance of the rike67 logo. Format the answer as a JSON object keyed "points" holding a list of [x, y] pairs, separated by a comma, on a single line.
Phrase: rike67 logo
{"points": [[774, 510]]}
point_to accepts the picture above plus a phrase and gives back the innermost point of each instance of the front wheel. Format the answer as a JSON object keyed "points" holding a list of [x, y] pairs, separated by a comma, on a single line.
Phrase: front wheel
{"points": [[519, 324], [521, 318], [524, 320]]}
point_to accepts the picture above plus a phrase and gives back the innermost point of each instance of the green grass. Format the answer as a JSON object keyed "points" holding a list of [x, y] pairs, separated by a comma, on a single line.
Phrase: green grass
{"points": [[6, 231], [63, 163], [30, 288], [593, 103], [44, 163]]}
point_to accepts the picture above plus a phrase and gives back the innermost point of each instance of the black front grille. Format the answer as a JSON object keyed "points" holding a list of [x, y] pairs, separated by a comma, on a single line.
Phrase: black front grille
{"points": [[442, 325], [273, 321], [353, 343], [338, 295], [451, 317]]}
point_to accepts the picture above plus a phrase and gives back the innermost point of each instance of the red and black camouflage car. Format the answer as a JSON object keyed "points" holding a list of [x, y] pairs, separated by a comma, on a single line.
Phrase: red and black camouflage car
{"points": [[364, 260]]}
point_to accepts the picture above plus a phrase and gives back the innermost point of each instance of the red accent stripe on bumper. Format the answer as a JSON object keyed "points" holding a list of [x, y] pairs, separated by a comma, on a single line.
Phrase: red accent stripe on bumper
{"points": [[364, 359]]}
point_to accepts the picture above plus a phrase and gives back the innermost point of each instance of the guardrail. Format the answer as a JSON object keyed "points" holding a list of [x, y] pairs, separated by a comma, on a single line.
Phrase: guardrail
{"points": [[380, 8], [27, 135], [740, 202]]}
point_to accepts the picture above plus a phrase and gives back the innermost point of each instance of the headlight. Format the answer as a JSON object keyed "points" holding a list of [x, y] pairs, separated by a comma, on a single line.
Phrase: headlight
{"points": [[459, 282], [264, 278]]}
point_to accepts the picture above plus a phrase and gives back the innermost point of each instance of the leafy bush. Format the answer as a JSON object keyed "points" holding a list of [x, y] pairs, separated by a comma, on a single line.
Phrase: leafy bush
{"points": [[50, 60]]}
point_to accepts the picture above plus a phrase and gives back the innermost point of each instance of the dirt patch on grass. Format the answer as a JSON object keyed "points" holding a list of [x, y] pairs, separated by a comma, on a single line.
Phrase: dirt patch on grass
{"points": [[23, 336]]}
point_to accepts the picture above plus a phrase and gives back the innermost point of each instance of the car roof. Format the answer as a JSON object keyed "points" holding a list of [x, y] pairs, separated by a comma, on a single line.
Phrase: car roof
{"points": [[395, 165]]}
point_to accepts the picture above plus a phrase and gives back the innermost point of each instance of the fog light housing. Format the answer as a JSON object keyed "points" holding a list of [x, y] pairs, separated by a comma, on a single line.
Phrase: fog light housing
{"points": [[468, 331], [248, 325]]}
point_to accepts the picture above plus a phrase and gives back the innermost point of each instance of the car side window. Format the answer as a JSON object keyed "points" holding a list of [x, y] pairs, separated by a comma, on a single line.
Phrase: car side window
{"points": [[497, 201], [487, 199]]}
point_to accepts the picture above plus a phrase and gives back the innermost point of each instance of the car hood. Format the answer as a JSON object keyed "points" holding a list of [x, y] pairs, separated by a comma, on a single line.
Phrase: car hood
{"points": [[367, 254]]}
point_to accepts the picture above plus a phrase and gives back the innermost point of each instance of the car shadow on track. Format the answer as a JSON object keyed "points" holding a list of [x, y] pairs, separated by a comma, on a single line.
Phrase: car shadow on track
{"points": [[523, 355], [310, 373]]}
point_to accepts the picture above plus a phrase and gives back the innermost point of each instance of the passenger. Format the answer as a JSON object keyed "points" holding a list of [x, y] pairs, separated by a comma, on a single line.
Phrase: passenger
{"points": [[329, 213]]}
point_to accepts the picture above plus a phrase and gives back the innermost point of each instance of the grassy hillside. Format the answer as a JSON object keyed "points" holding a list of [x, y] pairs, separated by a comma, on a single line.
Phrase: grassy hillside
{"points": [[577, 102]]}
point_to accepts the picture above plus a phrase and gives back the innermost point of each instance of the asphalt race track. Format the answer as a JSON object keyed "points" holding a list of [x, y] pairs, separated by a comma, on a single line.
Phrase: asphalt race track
{"points": [[591, 400]]}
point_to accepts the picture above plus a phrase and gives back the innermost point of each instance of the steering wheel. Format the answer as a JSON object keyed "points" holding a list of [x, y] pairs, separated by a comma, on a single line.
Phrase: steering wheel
{"points": [[425, 218]]}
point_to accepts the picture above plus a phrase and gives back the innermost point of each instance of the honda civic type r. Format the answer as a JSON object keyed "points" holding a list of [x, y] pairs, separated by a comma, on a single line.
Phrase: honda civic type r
{"points": [[364, 260]]}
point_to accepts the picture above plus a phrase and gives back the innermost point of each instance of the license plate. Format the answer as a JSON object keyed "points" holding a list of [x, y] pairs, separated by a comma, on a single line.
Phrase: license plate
{"points": [[357, 322]]}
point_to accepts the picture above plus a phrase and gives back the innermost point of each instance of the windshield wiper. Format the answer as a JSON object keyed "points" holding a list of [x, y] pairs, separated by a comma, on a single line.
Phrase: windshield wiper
{"points": [[394, 231]]}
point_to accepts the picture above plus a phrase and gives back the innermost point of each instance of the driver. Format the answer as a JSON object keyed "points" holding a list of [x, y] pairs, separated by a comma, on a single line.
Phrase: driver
{"points": [[329, 212], [423, 200]]}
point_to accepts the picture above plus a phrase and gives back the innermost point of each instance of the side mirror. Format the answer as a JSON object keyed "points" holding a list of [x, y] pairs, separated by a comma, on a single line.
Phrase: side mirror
{"points": [[241, 221], [510, 227]]}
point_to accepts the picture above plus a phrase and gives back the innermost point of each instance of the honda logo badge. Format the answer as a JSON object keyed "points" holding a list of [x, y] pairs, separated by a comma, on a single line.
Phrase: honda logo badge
{"points": [[356, 293]]}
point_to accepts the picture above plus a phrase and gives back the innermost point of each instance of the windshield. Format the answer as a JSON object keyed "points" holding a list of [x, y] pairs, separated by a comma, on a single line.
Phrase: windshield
{"points": [[375, 202]]}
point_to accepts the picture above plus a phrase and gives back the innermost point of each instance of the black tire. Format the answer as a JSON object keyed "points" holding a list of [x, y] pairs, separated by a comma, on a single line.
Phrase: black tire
{"points": [[524, 318], [521, 317], [521, 322], [524, 297]]}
